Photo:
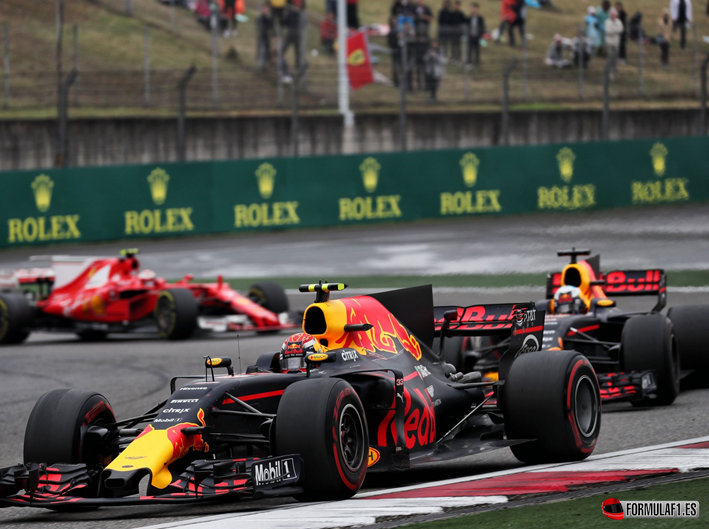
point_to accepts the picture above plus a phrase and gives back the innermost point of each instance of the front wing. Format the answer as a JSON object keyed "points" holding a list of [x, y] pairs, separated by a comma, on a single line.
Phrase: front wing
{"points": [[74, 486]]}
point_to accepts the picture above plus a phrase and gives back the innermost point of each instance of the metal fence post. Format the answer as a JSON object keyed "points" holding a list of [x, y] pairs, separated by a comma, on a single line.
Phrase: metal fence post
{"points": [[279, 58], [506, 101], [181, 88], [606, 95], [695, 54], [580, 57], [214, 20], [525, 66], [146, 64], [294, 115], [76, 63], [6, 64], [403, 87], [172, 15], [60, 33], [640, 61], [703, 111], [63, 103]]}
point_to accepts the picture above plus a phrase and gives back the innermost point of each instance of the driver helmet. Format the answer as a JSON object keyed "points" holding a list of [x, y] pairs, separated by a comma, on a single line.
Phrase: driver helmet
{"points": [[567, 300], [294, 351]]}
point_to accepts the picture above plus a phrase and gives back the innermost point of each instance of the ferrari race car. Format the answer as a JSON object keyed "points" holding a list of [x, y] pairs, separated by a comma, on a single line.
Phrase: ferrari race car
{"points": [[373, 397], [93, 297], [637, 355]]}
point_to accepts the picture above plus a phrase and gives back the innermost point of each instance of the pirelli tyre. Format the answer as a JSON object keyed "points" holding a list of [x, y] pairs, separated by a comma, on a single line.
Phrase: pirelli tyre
{"points": [[323, 420], [648, 344], [16, 318], [176, 314], [691, 327], [553, 398], [270, 296], [58, 429]]}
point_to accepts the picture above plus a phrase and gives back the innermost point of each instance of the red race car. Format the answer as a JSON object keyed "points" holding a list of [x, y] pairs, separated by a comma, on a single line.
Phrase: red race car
{"points": [[93, 297]]}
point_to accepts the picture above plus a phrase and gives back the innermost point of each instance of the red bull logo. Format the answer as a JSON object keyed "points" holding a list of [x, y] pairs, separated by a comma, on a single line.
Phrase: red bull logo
{"points": [[386, 334]]}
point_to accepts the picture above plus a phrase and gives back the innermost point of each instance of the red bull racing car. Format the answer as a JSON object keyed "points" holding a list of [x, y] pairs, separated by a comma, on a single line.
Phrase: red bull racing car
{"points": [[373, 396], [637, 355], [93, 297]]}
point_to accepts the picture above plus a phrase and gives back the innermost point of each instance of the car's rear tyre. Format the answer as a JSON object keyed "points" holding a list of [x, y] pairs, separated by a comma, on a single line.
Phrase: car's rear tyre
{"points": [[57, 427], [648, 344], [270, 296], [323, 421], [176, 314], [16, 318], [554, 398], [691, 323]]}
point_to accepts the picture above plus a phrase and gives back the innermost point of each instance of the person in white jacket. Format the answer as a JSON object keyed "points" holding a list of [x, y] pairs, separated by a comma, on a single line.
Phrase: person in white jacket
{"points": [[614, 29], [681, 14]]}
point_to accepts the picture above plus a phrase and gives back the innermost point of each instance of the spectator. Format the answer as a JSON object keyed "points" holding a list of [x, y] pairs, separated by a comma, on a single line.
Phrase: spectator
{"points": [[458, 21], [681, 13], [593, 37], [403, 7], [435, 69], [623, 17], [421, 46], [395, 47], [424, 17], [331, 7], [264, 24], [229, 13], [278, 10], [407, 42], [353, 14], [602, 14], [476, 31], [203, 12], [292, 22], [613, 30], [664, 37], [328, 33], [520, 20], [507, 18], [555, 54], [444, 27], [580, 51]]}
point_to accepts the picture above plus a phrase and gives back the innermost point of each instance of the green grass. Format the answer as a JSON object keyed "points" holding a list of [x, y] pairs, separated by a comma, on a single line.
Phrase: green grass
{"points": [[690, 278], [585, 513]]}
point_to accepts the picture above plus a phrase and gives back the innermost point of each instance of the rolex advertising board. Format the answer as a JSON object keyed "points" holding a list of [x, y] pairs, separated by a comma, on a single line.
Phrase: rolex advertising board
{"points": [[128, 202]]}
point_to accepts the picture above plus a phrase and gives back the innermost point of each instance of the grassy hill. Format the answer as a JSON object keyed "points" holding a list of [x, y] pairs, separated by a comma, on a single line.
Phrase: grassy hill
{"points": [[111, 41]]}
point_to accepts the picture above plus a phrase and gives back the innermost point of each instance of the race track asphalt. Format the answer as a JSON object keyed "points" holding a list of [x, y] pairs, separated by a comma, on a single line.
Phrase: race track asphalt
{"points": [[133, 372]]}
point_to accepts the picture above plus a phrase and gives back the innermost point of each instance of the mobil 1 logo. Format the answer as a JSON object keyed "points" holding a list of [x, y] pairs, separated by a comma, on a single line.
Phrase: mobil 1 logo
{"points": [[271, 472]]}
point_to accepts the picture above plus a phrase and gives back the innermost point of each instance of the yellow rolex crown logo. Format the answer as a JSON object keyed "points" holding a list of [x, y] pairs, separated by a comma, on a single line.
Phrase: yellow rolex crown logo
{"points": [[566, 159], [470, 164], [42, 188], [266, 178], [158, 180], [370, 174], [659, 158]]}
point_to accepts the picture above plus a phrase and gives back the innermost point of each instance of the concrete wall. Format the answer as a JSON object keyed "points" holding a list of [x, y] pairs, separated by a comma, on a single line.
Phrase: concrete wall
{"points": [[31, 144]]}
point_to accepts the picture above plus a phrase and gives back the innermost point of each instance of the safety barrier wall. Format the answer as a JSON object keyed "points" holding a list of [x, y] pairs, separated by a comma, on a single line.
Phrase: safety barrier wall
{"points": [[126, 202]]}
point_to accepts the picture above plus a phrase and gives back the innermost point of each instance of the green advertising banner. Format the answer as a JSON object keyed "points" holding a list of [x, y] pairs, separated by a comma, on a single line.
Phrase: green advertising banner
{"points": [[127, 202]]}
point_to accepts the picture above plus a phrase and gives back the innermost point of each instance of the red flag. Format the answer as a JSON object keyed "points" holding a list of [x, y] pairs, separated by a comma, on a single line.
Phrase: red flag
{"points": [[359, 65]]}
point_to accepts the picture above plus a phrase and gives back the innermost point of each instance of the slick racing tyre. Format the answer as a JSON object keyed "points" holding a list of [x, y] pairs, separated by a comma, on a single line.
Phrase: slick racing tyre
{"points": [[57, 429], [690, 324], [270, 296], [176, 314], [648, 344], [323, 421], [16, 318], [554, 398]]}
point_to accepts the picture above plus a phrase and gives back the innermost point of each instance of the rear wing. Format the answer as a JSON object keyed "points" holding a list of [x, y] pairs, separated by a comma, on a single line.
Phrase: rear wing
{"points": [[625, 283], [522, 321]]}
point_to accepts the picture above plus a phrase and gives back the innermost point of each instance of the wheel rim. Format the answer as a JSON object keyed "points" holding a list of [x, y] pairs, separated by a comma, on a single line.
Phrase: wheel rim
{"points": [[164, 314], [585, 406], [351, 438], [4, 321]]}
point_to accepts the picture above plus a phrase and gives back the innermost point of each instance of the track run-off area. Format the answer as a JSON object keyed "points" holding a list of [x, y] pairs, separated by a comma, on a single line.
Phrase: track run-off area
{"points": [[134, 371]]}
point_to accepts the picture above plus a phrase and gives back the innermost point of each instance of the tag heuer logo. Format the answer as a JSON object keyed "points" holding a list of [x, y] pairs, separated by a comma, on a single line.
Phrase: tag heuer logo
{"points": [[158, 180], [470, 164], [42, 189], [266, 178], [566, 158], [370, 174], [659, 158]]}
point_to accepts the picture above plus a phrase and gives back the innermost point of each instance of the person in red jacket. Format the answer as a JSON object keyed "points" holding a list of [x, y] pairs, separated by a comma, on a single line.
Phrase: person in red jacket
{"points": [[508, 16], [328, 33]]}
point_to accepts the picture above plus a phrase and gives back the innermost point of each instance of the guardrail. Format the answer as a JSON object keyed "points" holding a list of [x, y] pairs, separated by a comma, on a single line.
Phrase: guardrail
{"points": [[127, 202]]}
